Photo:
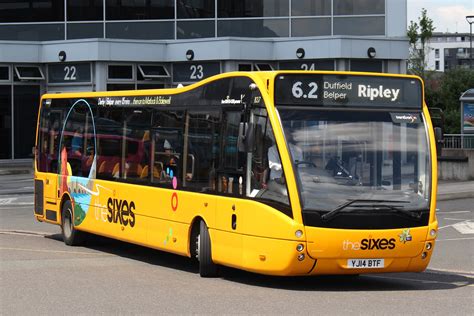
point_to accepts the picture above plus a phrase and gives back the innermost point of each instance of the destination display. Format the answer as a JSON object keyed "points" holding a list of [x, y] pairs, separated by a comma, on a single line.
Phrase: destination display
{"points": [[347, 91]]}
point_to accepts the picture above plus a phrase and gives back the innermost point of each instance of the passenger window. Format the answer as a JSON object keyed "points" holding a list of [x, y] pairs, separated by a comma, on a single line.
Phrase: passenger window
{"points": [[167, 140], [230, 176], [72, 142], [137, 144], [109, 142], [265, 160], [202, 150]]}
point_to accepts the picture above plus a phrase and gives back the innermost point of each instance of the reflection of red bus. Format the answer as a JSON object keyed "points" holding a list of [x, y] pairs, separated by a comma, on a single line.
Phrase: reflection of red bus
{"points": [[109, 161]]}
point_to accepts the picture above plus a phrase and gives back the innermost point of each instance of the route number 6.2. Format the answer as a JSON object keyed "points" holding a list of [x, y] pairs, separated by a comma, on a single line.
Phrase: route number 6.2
{"points": [[298, 92], [70, 73]]}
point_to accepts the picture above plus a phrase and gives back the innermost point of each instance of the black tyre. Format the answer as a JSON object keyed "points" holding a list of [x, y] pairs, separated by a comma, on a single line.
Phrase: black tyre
{"points": [[71, 236], [207, 268]]}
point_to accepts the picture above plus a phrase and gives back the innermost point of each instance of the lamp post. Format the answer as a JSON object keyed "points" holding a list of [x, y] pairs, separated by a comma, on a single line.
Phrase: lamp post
{"points": [[470, 20]]}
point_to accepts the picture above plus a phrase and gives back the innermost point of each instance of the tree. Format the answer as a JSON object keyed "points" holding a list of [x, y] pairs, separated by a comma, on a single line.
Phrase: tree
{"points": [[418, 36], [444, 92]]}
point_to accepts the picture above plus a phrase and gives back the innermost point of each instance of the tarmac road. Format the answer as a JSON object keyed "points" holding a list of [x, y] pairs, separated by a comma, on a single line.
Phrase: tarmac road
{"points": [[41, 275]]}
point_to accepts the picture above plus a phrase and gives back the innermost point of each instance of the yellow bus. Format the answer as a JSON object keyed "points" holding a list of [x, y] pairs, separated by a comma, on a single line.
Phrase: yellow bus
{"points": [[279, 173]]}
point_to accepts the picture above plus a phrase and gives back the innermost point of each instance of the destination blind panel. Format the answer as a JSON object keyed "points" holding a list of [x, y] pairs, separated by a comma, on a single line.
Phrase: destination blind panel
{"points": [[347, 91]]}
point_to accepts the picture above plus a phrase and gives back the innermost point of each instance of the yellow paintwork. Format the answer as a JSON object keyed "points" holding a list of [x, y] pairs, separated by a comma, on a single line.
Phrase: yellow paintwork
{"points": [[264, 239]]}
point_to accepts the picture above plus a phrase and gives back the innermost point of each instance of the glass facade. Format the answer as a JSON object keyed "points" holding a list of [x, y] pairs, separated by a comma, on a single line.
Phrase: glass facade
{"points": [[18, 114], [187, 19]]}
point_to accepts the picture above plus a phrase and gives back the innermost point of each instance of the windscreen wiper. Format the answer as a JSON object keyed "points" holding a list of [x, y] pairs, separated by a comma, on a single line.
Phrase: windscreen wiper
{"points": [[339, 208]]}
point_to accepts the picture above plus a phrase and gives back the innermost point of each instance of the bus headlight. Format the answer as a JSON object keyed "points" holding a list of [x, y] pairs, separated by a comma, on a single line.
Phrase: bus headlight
{"points": [[298, 233], [424, 255], [301, 257], [300, 247], [433, 232], [429, 246]]}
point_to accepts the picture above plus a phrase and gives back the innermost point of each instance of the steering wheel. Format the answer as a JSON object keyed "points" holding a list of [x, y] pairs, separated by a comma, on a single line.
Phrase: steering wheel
{"points": [[303, 162]]}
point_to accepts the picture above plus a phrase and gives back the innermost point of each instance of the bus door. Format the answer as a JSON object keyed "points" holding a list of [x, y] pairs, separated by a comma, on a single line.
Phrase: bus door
{"points": [[51, 156]]}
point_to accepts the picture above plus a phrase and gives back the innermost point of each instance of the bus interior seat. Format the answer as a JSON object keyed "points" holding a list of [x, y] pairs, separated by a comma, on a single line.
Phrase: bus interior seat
{"points": [[157, 170], [144, 172], [102, 166], [116, 170], [134, 170]]}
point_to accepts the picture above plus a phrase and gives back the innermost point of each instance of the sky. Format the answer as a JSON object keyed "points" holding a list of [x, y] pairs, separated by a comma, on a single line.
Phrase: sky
{"points": [[447, 15]]}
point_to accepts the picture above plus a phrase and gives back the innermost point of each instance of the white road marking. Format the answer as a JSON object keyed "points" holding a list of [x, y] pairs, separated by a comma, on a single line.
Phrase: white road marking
{"points": [[446, 226], [444, 271], [7, 201], [455, 212], [58, 251], [464, 227], [419, 280], [454, 239], [454, 219], [24, 233]]}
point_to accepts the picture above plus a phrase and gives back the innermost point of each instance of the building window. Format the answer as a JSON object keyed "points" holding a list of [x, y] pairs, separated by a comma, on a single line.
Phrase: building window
{"points": [[437, 53], [195, 29], [245, 67], [4, 73], [139, 10], [310, 7], [120, 72], [26, 110], [5, 121], [253, 28], [359, 25], [310, 27], [29, 73], [195, 9], [251, 8], [366, 65], [437, 65], [32, 32], [152, 72], [263, 67], [85, 30], [359, 7], [80, 10], [31, 11], [140, 30]]}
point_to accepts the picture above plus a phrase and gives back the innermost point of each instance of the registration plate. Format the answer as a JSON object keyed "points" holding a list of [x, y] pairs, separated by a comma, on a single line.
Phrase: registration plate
{"points": [[365, 263]]}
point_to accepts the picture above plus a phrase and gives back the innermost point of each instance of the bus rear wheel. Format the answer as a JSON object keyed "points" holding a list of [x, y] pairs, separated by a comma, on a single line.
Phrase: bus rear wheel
{"points": [[207, 268], [71, 236]]}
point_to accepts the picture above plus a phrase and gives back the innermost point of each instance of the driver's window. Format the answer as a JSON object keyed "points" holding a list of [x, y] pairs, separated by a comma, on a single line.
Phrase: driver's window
{"points": [[268, 181]]}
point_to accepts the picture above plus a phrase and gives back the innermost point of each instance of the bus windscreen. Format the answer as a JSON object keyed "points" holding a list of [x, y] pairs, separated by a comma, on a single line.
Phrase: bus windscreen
{"points": [[336, 90]]}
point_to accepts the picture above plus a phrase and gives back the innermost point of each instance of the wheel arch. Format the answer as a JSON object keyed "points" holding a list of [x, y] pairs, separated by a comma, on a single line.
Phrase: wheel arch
{"points": [[64, 198], [193, 232]]}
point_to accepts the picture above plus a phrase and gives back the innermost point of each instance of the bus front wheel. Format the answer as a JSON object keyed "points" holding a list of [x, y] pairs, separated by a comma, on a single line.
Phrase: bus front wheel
{"points": [[71, 236], [207, 268]]}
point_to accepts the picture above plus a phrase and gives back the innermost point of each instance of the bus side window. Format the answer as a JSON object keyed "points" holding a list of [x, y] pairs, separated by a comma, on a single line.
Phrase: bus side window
{"points": [[202, 151], [73, 137], [137, 144], [43, 141], [166, 147], [271, 191], [109, 128]]}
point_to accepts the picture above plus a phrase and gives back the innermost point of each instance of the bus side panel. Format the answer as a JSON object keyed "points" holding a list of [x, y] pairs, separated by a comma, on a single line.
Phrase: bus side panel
{"points": [[274, 256], [154, 217], [46, 204], [226, 232], [262, 220]]}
